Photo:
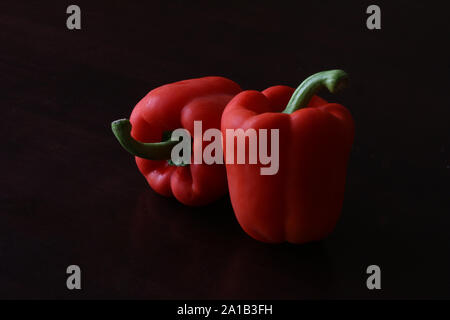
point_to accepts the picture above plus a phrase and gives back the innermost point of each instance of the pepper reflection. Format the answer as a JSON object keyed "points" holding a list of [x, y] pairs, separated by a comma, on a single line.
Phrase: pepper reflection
{"points": [[179, 252]]}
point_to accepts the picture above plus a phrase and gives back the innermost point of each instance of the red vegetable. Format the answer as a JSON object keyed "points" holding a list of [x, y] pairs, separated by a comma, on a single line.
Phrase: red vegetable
{"points": [[164, 109], [302, 201]]}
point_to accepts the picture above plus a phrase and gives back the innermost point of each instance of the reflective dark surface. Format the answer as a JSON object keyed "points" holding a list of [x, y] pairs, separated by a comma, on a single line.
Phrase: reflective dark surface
{"points": [[71, 195]]}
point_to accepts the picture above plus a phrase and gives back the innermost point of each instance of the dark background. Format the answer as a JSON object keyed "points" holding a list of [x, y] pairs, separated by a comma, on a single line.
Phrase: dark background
{"points": [[71, 195]]}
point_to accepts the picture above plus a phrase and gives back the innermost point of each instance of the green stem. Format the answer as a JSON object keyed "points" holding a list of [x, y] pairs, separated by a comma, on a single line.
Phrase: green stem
{"points": [[333, 80], [152, 151]]}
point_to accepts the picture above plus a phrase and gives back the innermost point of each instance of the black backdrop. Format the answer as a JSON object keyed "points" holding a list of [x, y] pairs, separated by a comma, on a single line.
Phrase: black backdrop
{"points": [[71, 195]]}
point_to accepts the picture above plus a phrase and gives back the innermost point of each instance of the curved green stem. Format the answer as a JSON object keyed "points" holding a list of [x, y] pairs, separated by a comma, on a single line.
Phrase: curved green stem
{"points": [[333, 80], [152, 151]]}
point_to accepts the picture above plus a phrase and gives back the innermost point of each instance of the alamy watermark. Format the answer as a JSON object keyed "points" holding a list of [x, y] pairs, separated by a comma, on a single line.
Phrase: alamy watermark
{"points": [[73, 21], [374, 280], [74, 279], [374, 20], [213, 152]]}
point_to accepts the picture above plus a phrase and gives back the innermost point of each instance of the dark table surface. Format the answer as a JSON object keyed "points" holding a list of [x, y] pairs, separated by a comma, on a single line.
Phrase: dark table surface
{"points": [[71, 195]]}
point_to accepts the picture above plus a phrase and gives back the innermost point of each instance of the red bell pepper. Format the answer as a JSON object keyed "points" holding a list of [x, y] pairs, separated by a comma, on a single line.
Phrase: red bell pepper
{"points": [[164, 109], [303, 200]]}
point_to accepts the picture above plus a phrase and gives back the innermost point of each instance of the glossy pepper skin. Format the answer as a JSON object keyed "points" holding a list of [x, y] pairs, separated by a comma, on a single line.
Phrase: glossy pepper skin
{"points": [[164, 109], [303, 200]]}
